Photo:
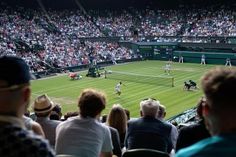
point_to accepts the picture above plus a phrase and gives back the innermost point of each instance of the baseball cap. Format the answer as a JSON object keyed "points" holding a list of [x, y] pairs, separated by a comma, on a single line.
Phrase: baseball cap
{"points": [[14, 71]]}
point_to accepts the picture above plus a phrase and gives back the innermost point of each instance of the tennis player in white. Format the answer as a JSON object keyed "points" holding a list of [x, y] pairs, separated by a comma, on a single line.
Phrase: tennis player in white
{"points": [[118, 88], [167, 68]]}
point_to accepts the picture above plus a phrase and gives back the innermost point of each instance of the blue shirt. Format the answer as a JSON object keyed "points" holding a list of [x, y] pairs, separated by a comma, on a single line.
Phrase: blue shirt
{"points": [[216, 146]]}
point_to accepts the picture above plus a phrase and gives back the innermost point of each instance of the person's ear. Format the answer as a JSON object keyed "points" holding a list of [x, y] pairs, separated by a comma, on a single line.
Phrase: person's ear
{"points": [[205, 109], [141, 113], [26, 94], [164, 115]]}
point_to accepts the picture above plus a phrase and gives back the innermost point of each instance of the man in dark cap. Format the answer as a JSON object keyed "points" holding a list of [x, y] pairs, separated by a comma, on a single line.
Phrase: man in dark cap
{"points": [[14, 99]]}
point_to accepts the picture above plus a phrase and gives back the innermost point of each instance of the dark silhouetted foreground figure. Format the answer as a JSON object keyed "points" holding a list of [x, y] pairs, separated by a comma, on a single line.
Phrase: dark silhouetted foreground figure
{"points": [[15, 94], [219, 87]]}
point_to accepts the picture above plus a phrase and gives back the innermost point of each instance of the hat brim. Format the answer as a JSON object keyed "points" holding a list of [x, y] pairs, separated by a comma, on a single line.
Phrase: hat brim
{"points": [[45, 109]]}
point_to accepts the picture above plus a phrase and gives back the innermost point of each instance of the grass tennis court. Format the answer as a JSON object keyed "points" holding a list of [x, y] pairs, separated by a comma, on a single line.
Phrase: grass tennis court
{"points": [[64, 91]]}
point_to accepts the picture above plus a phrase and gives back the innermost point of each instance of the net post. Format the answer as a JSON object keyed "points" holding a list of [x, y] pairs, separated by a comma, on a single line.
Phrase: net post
{"points": [[105, 74], [172, 82]]}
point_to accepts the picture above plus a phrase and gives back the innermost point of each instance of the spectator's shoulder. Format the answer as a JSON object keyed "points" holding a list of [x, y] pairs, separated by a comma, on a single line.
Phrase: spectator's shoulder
{"points": [[197, 149], [35, 144], [133, 120]]}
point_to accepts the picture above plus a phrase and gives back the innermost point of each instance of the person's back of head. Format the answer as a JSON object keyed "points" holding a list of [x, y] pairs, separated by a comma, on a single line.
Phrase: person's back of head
{"points": [[56, 113], [70, 114], [117, 118], [219, 87], [91, 103], [127, 113], [14, 86], [149, 107]]}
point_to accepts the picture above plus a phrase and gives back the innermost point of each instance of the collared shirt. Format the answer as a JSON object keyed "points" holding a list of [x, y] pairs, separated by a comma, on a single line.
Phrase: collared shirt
{"points": [[16, 141]]}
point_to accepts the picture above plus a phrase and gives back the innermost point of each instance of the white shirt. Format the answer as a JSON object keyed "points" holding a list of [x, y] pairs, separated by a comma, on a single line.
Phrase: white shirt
{"points": [[118, 86], [83, 137], [167, 66]]}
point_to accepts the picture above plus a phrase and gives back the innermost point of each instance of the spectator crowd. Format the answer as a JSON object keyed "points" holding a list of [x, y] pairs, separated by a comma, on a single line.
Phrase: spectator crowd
{"points": [[54, 37]]}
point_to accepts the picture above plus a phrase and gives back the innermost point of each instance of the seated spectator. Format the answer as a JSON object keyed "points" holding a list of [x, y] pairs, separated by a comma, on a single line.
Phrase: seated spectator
{"points": [[115, 142], [30, 124], [42, 107], [127, 113], [56, 113], [191, 134], [34, 126], [14, 99], [117, 119], [85, 135], [174, 132], [104, 118], [70, 114], [219, 87], [148, 131], [114, 137]]}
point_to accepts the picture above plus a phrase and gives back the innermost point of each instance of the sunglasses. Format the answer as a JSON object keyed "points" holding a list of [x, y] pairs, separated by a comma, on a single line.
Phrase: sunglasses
{"points": [[153, 99]]}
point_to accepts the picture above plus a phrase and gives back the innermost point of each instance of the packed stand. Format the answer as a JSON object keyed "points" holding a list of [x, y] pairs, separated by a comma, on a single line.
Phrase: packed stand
{"points": [[24, 34]]}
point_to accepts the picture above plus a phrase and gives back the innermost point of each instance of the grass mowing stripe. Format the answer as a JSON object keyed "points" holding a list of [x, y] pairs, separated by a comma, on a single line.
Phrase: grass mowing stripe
{"points": [[66, 92]]}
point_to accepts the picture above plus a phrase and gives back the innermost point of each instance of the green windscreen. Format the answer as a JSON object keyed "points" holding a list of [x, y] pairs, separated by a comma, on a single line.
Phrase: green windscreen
{"points": [[139, 78]]}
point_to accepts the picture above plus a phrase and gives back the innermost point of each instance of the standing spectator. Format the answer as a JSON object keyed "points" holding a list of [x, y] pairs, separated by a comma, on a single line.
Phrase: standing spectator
{"points": [[42, 108], [191, 134], [84, 135], [219, 87], [148, 131], [14, 99]]}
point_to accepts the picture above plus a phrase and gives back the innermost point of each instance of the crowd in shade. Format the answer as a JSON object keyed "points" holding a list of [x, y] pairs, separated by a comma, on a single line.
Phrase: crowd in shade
{"points": [[184, 21]]}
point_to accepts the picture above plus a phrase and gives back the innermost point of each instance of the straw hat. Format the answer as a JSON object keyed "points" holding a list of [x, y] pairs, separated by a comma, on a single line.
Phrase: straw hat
{"points": [[43, 104]]}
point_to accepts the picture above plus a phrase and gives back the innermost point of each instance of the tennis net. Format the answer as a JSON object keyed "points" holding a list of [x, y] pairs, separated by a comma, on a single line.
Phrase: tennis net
{"points": [[139, 78]]}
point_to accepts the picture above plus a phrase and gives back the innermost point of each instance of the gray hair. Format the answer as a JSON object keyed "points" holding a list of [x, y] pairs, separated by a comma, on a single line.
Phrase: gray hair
{"points": [[149, 107]]}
